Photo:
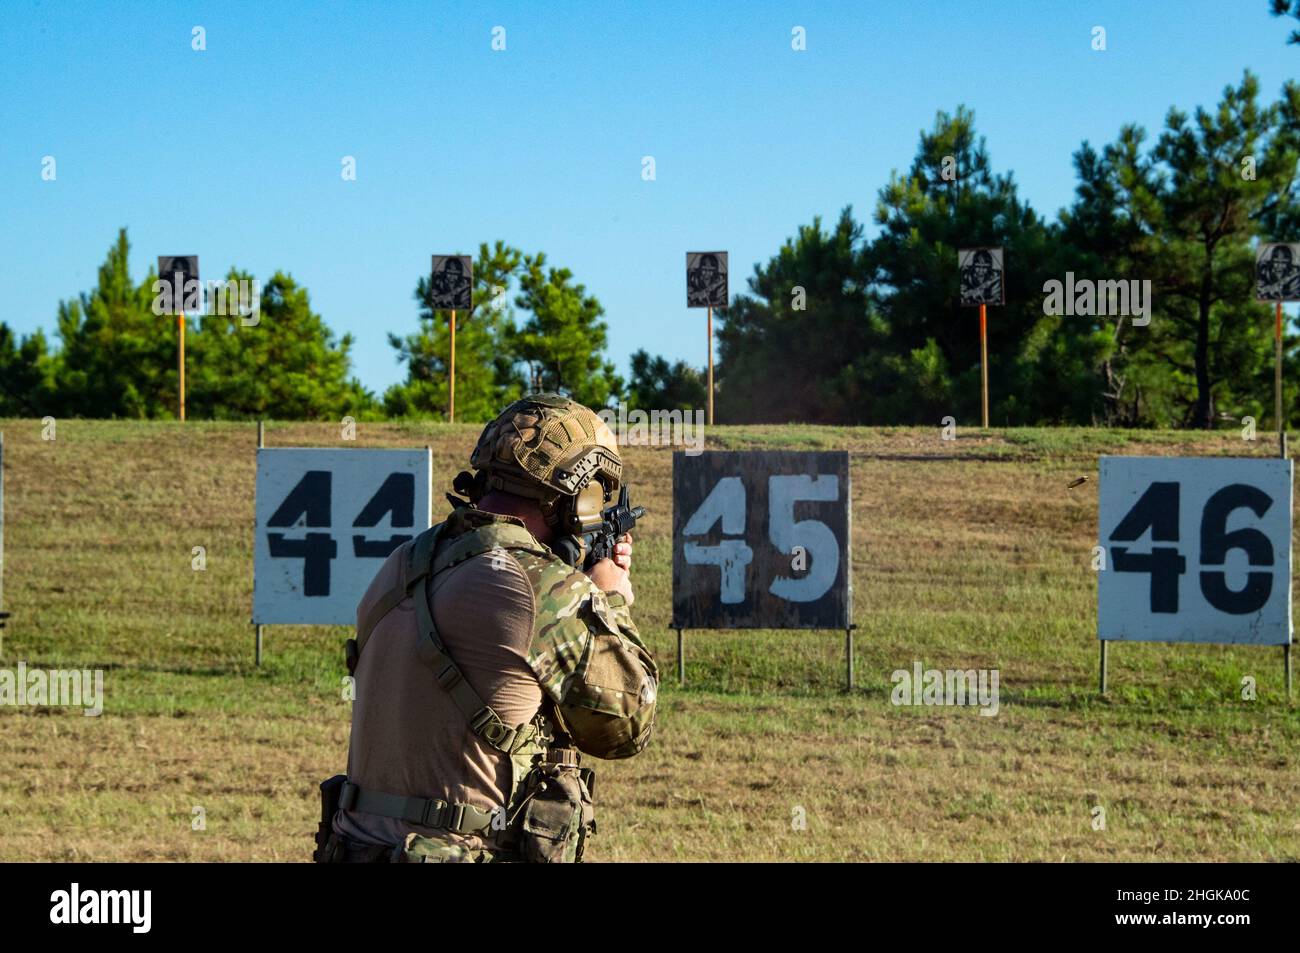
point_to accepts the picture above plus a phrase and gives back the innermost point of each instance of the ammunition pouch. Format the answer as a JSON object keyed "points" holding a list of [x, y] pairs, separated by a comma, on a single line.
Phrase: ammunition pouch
{"points": [[555, 816]]}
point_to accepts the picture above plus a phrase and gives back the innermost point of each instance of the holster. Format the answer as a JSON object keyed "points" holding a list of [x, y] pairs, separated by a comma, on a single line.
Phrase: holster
{"points": [[326, 844]]}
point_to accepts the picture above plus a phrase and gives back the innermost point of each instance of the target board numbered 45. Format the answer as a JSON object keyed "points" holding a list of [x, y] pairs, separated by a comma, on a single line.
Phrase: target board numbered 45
{"points": [[761, 540], [326, 521], [1196, 550]]}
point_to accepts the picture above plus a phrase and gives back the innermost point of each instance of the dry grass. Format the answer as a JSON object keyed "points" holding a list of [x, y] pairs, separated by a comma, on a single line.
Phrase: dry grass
{"points": [[969, 554]]}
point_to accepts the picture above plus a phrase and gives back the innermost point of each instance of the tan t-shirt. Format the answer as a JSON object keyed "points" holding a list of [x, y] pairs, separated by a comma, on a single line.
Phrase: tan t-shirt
{"points": [[408, 736]]}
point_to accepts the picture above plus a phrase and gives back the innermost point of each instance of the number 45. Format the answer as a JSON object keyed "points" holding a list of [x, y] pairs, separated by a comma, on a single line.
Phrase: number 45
{"points": [[726, 503]]}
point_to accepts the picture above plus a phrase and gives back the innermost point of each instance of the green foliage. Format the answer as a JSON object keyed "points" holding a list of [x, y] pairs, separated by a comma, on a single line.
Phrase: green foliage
{"points": [[1186, 215], [563, 339], [27, 385], [287, 365], [1280, 8], [658, 385], [486, 379], [118, 358], [882, 339], [801, 345]]}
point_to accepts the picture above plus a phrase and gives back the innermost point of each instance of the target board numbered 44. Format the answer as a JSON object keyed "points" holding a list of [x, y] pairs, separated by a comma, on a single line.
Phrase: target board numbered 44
{"points": [[761, 540], [326, 521], [1196, 550]]}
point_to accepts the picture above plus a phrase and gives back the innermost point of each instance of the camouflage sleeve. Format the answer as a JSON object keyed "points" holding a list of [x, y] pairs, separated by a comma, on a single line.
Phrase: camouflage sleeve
{"points": [[590, 660]]}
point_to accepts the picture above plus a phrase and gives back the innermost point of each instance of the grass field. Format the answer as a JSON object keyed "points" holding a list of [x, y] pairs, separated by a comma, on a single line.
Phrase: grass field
{"points": [[966, 554]]}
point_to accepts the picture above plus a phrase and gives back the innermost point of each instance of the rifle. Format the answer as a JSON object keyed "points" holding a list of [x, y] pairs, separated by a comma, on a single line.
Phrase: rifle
{"points": [[615, 521]]}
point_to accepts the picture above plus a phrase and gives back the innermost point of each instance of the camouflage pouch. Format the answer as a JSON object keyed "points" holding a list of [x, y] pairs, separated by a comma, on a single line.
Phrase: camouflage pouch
{"points": [[611, 708], [557, 817], [418, 849]]}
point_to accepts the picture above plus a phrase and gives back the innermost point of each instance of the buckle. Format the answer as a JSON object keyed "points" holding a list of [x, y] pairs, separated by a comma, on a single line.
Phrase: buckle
{"points": [[457, 817], [432, 816], [449, 677], [498, 734]]}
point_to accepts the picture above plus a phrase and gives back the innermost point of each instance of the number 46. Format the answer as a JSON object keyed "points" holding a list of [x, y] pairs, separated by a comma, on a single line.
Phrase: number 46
{"points": [[1157, 509]]}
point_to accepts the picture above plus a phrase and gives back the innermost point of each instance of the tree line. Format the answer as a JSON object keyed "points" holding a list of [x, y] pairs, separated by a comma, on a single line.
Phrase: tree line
{"points": [[833, 328]]}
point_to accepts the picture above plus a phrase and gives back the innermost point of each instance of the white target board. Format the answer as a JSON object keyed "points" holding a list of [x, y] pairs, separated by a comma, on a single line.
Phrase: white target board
{"points": [[1196, 550], [326, 521]]}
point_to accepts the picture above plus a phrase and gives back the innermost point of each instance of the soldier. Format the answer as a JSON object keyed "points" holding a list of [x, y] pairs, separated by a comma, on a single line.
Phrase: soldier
{"points": [[451, 286], [706, 283], [485, 661], [1279, 276], [981, 280]]}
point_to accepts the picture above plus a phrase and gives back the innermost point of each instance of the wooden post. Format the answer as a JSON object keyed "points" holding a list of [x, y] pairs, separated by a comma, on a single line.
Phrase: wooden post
{"points": [[180, 327], [710, 366], [257, 648], [1103, 666], [681, 659], [3, 614], [451, 375], [1277, 371], [984, 364], [1286, 668]]}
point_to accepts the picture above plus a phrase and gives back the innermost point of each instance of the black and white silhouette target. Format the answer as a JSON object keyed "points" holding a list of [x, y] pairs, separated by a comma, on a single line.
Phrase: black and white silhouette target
{"points": [[1277, 272], [453, 282], [706, 279], [981, 274], [178, 271]]}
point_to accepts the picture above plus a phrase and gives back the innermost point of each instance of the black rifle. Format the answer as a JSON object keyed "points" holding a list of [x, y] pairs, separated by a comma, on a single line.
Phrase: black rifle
{"points": [[615, 522]]}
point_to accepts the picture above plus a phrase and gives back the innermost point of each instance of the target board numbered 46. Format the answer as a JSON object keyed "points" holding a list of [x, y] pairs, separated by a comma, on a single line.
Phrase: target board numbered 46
{"points": [[326, 521], [761, 540], [1196, 550]]}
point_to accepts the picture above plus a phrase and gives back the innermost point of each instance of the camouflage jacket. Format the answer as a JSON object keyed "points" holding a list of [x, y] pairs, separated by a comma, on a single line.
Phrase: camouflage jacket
{"points": [[586, 651]]}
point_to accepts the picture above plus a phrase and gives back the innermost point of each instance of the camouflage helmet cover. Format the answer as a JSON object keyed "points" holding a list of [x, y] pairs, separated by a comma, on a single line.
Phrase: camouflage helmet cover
{"points": [[546, 445]]}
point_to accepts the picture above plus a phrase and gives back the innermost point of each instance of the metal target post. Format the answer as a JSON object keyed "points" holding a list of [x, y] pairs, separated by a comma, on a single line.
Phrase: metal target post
{"points": [[257, 647]]}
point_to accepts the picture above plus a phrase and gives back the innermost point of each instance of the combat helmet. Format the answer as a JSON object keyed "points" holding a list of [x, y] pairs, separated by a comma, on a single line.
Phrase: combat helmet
{"points": [[551, 449]]}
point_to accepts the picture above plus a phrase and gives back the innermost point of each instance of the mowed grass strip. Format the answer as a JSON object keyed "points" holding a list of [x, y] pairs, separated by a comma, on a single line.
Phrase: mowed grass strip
{"points": [[967, 554]]}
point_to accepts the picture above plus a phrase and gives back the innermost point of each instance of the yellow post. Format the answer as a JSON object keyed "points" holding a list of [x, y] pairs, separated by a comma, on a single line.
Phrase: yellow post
{"points": [[451, 377], [984, 363], [1277, 371], [710, 366], [180, 326]]}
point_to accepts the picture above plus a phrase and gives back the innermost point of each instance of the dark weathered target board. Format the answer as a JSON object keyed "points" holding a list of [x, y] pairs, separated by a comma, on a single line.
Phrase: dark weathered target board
{"points": [[761, 540]]}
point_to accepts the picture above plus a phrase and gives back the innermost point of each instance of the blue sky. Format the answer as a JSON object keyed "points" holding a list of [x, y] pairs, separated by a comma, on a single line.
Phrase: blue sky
{"points": [[234, 153]]}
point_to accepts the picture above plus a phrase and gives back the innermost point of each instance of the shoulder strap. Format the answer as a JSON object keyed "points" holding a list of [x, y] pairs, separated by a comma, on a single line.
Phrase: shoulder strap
{"points": [[386, 603], [483, 721]]}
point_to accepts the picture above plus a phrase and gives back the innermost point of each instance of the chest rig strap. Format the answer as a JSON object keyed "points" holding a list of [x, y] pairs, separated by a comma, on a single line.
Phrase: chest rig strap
{"points": [[483, 721]]}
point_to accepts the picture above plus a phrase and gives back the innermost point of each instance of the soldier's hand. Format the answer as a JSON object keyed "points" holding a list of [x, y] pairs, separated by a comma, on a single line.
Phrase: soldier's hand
{"points": [[609, 576], [623, 551]]}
